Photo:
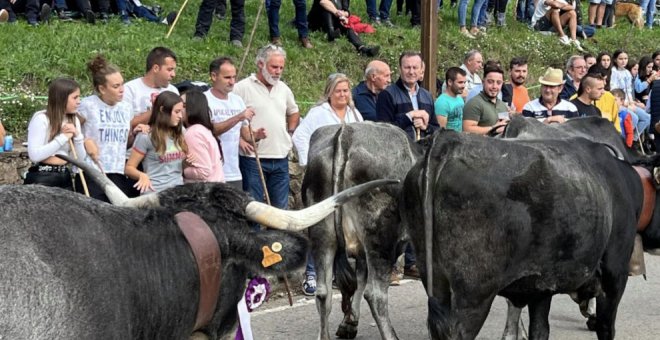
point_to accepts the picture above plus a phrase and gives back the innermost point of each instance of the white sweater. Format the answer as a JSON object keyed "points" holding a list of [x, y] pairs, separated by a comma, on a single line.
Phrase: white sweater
{"points": [[319, 116]]}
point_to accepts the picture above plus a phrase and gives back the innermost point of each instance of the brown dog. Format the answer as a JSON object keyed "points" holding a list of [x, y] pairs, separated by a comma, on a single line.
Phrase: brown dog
{"points": [[630, 10]]}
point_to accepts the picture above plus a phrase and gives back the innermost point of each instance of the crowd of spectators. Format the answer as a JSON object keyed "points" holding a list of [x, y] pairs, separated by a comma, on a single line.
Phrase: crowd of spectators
{"points": [[147, 136], [38, 12]]}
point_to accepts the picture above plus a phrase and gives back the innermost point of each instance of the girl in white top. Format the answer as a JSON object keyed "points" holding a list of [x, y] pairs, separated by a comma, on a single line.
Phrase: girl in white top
{"points": [[622, 79], [49, 133], [335, 107], [200, 141], [107, 126]]}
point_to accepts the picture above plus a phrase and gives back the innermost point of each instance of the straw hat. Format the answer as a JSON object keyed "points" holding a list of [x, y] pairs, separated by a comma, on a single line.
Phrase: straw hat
{"points": [[552, 77]]}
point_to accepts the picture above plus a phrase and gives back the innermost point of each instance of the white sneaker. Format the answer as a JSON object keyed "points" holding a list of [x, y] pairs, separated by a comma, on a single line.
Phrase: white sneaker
{"points": [[564, 40], [577, 45]]}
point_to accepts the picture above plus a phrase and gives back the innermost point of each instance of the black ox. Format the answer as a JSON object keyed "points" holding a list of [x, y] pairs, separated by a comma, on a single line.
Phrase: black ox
{"points": [[76, 268], [525, 219], [342, 156]]}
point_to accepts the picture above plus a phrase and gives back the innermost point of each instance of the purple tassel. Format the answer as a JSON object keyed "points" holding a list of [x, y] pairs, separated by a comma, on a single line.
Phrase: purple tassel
{"points": [[257, 292]]}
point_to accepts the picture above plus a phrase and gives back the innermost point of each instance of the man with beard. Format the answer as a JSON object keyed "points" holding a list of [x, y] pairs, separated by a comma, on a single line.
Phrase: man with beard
{"points": [[485, 111], [449, 106], [576, 68], [515, 94], [591, 89], [377, 76], [549, 108], [276, 117]]}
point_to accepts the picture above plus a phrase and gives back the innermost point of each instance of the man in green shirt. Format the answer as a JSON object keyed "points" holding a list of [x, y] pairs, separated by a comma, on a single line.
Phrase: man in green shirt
{"points": [[485, 111], [449, 106]]}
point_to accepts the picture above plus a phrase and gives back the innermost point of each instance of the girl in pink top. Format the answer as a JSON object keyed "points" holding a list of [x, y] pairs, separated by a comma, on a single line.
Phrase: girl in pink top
{"points": [[207, 166]]}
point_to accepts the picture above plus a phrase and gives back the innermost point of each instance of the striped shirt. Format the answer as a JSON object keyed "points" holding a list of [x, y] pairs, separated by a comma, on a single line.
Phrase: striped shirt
{"points": [[536, 109]]}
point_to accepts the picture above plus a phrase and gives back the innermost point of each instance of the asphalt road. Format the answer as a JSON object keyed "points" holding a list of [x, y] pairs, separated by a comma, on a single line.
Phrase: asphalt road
{"points": [[638, 317]]}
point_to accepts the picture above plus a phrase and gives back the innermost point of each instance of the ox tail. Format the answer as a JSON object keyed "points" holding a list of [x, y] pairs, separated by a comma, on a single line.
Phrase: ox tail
{"points": [[438, 313], [345, 276], [427, 216], [438, 318]]}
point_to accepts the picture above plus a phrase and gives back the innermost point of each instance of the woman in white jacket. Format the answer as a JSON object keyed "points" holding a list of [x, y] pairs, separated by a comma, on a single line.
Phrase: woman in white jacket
{"points": [[335, 107]]}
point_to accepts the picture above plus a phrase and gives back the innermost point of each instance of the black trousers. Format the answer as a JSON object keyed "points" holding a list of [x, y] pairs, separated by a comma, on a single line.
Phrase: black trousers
{"points": [[325, 21], [29, 7], [124, 184], [205, 18], [50, 179]]}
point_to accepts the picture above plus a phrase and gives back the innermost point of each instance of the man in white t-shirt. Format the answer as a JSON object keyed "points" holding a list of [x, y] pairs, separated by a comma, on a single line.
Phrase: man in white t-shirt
{"points": [[276, 118], [228, 114], [141, 92]]}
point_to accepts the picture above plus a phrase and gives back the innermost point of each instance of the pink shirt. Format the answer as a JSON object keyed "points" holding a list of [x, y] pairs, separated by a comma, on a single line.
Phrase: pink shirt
{"points": [[208, 164]]}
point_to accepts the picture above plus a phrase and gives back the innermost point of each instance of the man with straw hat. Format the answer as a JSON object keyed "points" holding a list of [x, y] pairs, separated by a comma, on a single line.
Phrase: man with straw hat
{"points": [[549, 108]]}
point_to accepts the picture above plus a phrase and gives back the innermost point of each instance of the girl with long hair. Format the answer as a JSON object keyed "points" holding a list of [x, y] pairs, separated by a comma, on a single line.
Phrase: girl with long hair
{"points": [[163, 150], [645, 77], [622, 79], [107, 125], [207, 166], [50, 132]]}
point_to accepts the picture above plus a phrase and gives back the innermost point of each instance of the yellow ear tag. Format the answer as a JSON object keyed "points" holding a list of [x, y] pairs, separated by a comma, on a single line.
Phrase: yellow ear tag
{"points": [[270, 258]]}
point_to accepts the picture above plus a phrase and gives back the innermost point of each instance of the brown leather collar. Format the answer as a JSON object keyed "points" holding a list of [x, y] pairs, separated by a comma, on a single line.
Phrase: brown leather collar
{"points": [[206, 250], [649, 197]]}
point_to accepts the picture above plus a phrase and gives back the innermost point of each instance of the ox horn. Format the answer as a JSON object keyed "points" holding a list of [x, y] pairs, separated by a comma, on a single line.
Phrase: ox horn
{"points": [[115, 195], [299, 220]]}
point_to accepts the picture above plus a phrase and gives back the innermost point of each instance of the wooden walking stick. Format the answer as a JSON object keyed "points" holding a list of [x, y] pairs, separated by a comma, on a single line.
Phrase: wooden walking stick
{"points": [[247, 47], [263, 184], [178, 15], [82, 174]]}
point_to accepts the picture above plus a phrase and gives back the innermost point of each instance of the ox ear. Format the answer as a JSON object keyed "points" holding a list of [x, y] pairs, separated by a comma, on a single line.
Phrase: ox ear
{"points": [[302, 219], [115, 195], [290, 248]]}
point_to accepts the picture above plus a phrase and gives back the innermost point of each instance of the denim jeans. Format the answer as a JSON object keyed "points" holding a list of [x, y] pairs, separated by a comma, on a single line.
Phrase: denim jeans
{"points": [[648, 11], [309, 269], [384, 9], [276, 173], [644, 119], [479, 12], [273, 8], [462, 12], [372, 12], [525, 11]]}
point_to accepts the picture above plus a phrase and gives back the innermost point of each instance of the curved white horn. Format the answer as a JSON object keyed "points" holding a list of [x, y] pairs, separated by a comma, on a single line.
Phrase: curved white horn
{"points": [[115, 195], [302, 219]]}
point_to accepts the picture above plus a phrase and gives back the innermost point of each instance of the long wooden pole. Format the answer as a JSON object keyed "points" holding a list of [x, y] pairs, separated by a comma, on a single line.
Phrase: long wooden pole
{"points": [[80, 171], [178, 15], [429, 42], [263, 184]]}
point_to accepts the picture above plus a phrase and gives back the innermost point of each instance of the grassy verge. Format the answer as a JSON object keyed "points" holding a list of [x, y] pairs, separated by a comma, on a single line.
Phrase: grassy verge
{"points": [[33, 56]]}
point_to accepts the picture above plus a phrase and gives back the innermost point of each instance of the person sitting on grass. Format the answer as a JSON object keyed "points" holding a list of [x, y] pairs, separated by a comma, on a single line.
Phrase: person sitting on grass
{"points": [[331, 17], [556, 14]]}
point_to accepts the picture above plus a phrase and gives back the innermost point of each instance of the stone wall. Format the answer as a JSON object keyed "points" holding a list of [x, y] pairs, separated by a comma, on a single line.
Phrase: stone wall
{"points": [[13, 164]]}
